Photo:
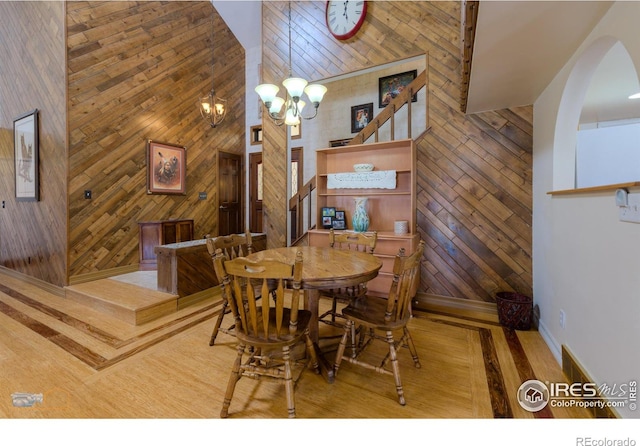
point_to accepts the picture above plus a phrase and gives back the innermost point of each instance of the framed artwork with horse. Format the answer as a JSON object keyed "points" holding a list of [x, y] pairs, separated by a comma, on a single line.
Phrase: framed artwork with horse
{"points": [[166, 168]]}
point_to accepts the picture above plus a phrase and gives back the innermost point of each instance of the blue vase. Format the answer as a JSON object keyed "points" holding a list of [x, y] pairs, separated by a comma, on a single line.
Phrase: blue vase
{"points": [[360, 218]]}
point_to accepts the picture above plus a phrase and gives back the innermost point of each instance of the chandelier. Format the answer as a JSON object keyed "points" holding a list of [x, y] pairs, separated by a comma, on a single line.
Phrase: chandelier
{"points": [[212, 108], [293, 104]]}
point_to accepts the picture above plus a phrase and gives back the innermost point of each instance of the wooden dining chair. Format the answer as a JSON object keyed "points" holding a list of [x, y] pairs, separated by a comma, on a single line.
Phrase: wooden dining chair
{"points": [[353, 241], [265, 333], [381, 317], [232, 246]]}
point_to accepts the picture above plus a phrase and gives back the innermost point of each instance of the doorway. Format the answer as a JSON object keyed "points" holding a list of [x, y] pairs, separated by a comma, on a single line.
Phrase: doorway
{"points": [[255, 192], [229, 193]]}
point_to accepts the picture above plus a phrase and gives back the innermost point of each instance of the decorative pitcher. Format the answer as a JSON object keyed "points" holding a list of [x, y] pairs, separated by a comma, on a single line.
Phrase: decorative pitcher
{"points": [[360, 218]]}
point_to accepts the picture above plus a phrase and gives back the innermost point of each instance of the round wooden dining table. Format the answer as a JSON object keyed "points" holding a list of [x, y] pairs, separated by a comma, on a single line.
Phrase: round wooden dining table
{"points": [[324, 268]]}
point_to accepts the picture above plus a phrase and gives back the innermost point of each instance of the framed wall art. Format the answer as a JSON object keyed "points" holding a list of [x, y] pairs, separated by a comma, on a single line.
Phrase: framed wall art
{"points": [[361, 116], [26, 155], [390, 86], [166, 168]]}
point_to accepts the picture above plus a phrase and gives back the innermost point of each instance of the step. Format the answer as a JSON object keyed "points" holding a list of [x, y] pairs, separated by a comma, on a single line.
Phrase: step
{"points": [[128, 302]]}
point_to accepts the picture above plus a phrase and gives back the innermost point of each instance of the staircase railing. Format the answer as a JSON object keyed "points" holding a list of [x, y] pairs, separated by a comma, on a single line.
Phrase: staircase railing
{"points": [[301, 205]]}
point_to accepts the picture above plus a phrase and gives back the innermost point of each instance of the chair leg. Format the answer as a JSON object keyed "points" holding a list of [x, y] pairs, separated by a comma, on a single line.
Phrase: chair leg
{"points": [[313, 358], [216, 328], [395, 367], [334, 303], [341, 347], [412, 347], [354, 351], [233, 379], [288, 382]]}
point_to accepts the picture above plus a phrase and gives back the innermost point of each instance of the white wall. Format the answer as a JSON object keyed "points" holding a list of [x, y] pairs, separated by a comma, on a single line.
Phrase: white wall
{"points": [[585, 261], [608, 155]]}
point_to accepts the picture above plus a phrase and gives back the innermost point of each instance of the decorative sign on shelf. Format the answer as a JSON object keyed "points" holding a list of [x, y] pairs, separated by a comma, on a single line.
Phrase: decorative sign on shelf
{"points": [[379, 179]]}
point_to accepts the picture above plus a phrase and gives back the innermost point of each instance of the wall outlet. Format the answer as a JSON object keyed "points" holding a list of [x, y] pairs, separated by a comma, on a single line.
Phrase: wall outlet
{"points": [[563, 318]]}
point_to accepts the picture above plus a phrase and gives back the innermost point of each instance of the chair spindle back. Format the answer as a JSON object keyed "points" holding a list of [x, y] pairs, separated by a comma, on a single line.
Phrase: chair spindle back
{"points": [[233, 245], [353, 241], [405, 273], [244, 281]]}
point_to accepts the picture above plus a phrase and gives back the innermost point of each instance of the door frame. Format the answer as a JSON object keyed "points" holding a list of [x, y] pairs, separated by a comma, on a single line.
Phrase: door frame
{"points": [[241, 186]]}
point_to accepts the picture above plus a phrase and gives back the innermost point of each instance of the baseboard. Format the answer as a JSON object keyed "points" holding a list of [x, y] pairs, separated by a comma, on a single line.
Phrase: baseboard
{"points": [[103, 274], [456, 306], [574, 373], [551, 342], [46, 286]]}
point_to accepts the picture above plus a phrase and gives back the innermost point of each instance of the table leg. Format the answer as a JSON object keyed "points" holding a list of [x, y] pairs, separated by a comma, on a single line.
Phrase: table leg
{"points": [[311, 304]]}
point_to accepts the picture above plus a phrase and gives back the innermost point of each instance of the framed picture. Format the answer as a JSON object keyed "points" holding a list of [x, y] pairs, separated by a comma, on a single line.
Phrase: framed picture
{"points": [[390, 86], [26, 154], [339, 224], [166, 168], [361, 116], [327, 217], [296, 131], [339, 215], [329, 212]]}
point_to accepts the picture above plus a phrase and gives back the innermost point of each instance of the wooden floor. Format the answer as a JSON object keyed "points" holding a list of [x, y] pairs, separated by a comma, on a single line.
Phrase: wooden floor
{"points": [[88, 365]]}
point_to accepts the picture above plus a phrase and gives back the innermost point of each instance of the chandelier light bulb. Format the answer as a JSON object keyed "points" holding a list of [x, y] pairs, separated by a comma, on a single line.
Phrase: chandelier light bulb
{"points": [[267, 92], [291, 117], [295, 86], [316, 93], [276, 105]]}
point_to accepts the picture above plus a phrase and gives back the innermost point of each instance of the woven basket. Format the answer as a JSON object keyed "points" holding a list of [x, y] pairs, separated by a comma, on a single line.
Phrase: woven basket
{"points": [[514, 310]]}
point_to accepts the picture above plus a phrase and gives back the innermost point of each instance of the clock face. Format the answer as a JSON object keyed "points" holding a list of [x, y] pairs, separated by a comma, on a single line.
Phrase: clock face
{"points": [[344, 18]]}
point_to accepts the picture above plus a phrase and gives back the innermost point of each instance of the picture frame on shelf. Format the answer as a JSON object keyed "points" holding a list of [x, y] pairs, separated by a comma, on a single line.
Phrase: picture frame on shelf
{"points": [[390, 86], [26, 156], [339, 224], [166, 168], [328, 214], [339, 215], [361, 116]]}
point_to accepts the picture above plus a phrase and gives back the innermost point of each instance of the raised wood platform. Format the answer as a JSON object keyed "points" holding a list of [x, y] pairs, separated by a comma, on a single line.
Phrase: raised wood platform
{"points": [[133, 297]]}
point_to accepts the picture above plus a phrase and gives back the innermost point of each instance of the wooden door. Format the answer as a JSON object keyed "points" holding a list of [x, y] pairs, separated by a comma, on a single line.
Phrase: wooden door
{"points": [[296, 183], [255, 192], [229, 193]]}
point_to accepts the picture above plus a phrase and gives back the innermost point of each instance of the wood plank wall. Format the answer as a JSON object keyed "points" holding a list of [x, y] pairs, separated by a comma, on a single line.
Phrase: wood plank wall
{"points": [[32, 75], [474, 172], [136, 71]]}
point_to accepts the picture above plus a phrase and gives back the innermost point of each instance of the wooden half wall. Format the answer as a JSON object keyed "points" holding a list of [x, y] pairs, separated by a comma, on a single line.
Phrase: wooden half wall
{"points": [[474, 171]]}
